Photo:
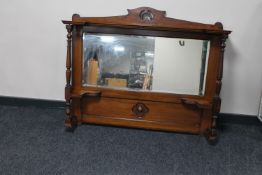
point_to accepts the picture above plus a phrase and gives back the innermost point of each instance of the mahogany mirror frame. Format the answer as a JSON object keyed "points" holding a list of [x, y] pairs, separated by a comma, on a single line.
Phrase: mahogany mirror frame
{"points": [[138, 109]]}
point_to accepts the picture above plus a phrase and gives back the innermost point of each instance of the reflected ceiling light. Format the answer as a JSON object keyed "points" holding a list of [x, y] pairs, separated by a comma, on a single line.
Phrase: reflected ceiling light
{"points": [[150, 37], [149, 54], [107, 39], [119, 49]]}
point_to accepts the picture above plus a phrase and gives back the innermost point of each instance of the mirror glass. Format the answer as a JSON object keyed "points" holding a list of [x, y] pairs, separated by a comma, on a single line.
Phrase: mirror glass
{"points": [[145, 63]]}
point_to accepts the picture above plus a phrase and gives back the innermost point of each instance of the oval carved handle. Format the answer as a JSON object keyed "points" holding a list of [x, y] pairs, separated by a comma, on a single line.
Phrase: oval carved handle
{"points": [[140, 109]]}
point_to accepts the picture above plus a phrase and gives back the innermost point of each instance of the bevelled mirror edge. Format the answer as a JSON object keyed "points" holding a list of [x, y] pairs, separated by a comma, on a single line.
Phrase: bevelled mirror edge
{"points": [[121, 47]]}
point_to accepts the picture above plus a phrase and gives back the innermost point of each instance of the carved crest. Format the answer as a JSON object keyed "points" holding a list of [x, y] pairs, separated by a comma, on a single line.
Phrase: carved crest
{"points": [[148, 17]]}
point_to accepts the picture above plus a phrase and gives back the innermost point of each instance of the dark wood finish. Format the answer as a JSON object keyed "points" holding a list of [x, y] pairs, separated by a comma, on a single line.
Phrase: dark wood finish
{"points": [[70, 121], [150, 110], [158, 115], [160, 21], [212, 132]]}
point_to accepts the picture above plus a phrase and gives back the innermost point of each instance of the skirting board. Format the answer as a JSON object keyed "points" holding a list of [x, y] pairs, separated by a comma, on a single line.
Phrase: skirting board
{"points": [[239, 119], [18, 101]]}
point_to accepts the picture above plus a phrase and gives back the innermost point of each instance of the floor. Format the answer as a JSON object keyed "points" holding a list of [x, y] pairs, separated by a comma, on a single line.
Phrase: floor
{"points": [[33, 142]]}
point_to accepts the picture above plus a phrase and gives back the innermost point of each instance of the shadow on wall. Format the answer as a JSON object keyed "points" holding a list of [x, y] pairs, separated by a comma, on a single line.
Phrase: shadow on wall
{"points": [[231, 56], [228, 84]]}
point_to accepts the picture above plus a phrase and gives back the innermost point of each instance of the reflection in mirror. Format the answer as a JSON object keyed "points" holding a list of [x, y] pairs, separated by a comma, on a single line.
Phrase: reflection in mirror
{"points": [[146, 63]]}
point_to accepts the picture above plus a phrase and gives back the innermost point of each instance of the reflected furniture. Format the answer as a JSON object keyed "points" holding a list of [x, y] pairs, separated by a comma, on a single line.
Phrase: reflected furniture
{"points": [[144, 70]]}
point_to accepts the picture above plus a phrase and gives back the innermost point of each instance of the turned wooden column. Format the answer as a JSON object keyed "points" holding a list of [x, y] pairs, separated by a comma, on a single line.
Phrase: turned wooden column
{"points": [[212, 133], [70, 121]]}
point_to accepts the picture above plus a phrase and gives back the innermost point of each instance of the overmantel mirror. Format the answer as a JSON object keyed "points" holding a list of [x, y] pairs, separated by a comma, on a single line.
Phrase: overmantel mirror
{"points": [[145, 63], [144, 70]]}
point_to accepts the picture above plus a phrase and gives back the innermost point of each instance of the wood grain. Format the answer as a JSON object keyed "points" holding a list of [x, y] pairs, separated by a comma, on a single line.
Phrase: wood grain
{"points": [[160, 111]]}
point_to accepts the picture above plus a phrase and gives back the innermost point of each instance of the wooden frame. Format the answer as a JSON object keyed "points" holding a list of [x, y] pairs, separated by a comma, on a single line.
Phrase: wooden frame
{"points": [[150, 110]]}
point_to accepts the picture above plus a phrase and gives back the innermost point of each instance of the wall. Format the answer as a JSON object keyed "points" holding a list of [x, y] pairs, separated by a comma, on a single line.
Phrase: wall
{"points": [[33, 44]]}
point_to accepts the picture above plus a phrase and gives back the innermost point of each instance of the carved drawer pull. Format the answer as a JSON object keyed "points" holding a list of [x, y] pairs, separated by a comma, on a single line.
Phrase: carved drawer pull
{"points": [[140, 110]]}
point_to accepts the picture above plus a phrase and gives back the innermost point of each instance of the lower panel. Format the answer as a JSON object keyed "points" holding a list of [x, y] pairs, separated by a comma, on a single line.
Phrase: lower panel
{"points": [[138, 124], [152, 115]]}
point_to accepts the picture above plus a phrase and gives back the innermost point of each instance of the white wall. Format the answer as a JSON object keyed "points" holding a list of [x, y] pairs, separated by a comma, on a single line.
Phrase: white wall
{"points": [[33, 44]]}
